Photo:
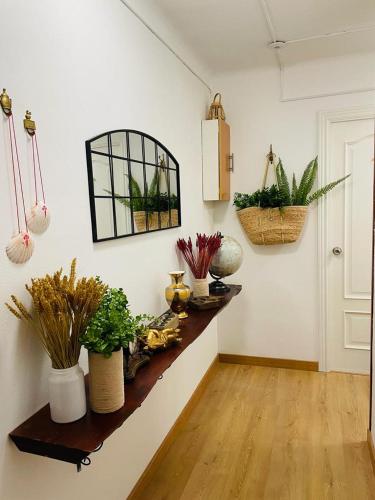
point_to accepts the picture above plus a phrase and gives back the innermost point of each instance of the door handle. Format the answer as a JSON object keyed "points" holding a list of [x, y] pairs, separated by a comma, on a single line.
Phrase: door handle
{"points": [[231, 163], [337, 251]]}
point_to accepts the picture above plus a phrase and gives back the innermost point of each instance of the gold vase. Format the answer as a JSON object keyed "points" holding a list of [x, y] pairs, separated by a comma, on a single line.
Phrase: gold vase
{"points": [[177, 294]]}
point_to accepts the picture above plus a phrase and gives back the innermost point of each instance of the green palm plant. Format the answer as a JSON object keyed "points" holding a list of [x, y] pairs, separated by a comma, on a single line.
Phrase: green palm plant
{"points": [[152, 200], [283, 184], [281, 195]]}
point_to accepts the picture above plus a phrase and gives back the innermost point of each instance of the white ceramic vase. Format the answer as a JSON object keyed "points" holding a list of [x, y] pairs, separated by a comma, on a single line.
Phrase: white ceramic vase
{"points": [[67, 397], [200, 287]]}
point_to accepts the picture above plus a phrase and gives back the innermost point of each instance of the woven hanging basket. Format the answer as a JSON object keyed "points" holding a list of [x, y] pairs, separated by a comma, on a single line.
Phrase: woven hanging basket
{"points": [[106, 378], [216, 111], [153, 220], [273, 226]]}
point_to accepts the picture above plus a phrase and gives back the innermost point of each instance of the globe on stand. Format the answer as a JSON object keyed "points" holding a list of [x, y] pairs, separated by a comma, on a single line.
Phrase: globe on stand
{"points": [[226, 262]]}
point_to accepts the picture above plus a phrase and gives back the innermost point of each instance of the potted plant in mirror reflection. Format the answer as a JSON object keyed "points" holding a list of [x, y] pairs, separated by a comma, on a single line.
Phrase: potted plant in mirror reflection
{"points": [[61, 310], [199, 259], [111, 329], [153, 205]]}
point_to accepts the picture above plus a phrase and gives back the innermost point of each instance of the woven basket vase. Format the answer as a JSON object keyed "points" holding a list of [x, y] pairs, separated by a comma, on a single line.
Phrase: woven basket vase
{"points": [[106, 378], [273, 226], [153, 220]]}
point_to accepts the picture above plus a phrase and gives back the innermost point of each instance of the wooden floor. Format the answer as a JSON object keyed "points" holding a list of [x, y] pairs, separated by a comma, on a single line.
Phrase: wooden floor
{"points": [[271, 433]]}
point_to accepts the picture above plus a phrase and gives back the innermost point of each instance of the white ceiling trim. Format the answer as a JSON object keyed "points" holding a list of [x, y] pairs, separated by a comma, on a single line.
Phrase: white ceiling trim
{"points": [[161, 39], [277, 51], [268, 16], [359, 29], [273, 33], [274, 38]]}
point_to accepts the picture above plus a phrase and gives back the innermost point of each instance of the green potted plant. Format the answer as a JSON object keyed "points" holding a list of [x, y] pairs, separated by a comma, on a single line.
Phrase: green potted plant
{"points": [[110, 329], [276, 214], [149, 206]]}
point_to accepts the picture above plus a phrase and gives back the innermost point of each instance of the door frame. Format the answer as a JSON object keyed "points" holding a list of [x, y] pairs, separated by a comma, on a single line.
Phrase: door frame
{"points": [[326, 120]]}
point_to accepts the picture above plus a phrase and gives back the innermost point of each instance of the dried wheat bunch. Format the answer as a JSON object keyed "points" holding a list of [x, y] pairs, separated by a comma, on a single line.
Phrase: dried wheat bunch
{"points": [[62, 309]]}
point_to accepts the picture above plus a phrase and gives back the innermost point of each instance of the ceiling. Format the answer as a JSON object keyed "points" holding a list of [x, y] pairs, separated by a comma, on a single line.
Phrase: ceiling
{"points": [[234, 35]]}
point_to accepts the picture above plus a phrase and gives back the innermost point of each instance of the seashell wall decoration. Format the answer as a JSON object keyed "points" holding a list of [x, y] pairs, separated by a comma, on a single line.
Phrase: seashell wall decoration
{"points": [[38, 218], [20, 248]]}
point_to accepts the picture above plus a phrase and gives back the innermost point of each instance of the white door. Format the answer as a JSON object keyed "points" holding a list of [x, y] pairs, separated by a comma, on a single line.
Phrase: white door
{"points": [[349, 236]]}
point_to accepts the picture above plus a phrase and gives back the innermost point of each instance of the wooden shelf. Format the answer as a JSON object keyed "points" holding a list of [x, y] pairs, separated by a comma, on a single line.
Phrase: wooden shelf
{"points": [[74, 442]]}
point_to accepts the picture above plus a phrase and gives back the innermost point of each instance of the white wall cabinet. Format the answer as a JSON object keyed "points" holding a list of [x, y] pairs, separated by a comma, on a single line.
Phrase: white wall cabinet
{"points": [[216, 160]]}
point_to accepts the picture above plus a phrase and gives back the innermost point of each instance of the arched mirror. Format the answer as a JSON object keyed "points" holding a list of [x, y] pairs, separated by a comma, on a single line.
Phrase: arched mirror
{"points": [[134, 185]]}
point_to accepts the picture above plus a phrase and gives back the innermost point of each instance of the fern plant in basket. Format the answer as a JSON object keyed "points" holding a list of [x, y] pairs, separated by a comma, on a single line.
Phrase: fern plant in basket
{"points": [[276, 214]]}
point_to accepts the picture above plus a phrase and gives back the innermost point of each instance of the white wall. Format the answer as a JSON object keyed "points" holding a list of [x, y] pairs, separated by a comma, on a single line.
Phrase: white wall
{"points": [[152, 14], [276, 315], [352, 73], [84, 68]]}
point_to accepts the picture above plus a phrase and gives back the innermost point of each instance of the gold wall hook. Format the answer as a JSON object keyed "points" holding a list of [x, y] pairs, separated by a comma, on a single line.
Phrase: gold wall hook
{"points": [[271, 155], [6, 103], [29, 124]]}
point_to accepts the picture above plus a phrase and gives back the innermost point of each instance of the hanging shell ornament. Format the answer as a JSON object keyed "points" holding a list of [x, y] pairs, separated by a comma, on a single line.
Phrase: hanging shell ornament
{"points": [[20, 248], [38, 218]]}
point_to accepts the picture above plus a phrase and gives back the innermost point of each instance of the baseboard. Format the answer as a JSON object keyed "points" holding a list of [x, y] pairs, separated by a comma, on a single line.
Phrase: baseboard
{"points": [[172, 434], [294, 364], [371, 448]]}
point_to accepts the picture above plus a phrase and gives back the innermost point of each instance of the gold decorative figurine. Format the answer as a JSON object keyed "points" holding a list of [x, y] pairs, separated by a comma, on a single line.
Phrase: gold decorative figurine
{"points": [[177, 294], [6, 103], [29, 124], [160, 339]]}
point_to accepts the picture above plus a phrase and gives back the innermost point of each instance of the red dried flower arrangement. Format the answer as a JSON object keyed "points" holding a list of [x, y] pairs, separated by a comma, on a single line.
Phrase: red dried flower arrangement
{"points": [[199, 260]]}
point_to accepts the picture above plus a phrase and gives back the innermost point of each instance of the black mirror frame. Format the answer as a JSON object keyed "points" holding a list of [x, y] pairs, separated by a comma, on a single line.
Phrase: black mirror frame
{"points": [[92, 195]]}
